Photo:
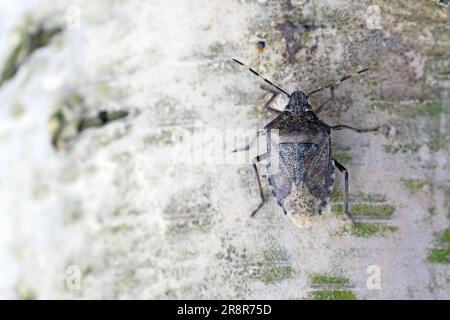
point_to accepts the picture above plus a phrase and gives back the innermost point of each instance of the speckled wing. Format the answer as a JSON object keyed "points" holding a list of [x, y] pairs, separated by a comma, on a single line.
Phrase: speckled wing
{"points": [[320, 172], [279, 178]]}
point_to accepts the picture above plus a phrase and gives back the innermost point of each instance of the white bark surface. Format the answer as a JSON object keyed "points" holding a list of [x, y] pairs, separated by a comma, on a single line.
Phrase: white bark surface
{"points": [[111, 204]]}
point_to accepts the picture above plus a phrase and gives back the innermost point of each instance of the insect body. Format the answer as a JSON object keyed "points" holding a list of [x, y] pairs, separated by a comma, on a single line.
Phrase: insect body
{"points": [[301, 167]]}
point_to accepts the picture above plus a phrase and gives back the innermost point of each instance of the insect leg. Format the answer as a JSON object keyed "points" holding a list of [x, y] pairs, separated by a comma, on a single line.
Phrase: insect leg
{"points": [[331, 98], [344, 171], [267, 105], [344, 126], [261, 193], [248, 145]]}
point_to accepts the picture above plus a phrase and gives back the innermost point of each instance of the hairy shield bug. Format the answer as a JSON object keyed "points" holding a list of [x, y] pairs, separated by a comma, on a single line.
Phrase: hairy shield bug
{"points": [[304, 178]]}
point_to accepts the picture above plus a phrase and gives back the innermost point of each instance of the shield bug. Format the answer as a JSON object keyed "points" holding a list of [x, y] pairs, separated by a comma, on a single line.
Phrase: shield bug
{"points": [[303, 180]]}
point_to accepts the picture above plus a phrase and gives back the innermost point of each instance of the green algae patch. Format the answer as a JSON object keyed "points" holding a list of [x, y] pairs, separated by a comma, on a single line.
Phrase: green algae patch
{"points": [[437, 140], [439, 255], [370, 197], [26, 293], [343, 157], [259, 113], [272, 275], [416, 185], [332, 295], [401, 148], [30, 39], [275, 254], [275, 268], [431, 211], [363, 209], [337, 195], [120, 229], [445, 236], [363, 229], [432, 110], [17, 110], [327, 279]]}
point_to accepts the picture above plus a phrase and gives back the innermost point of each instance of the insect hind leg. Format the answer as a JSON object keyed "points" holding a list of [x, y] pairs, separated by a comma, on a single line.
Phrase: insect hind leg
{"points": [[258, 179], [345, 173]]}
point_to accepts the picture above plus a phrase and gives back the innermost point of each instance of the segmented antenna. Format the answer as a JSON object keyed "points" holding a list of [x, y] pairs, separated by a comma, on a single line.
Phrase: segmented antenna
{"points": [[338, 82], [257, 74]]}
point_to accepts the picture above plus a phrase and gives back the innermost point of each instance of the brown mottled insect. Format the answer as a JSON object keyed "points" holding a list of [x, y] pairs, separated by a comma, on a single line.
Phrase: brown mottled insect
{"points": [[303, 178]]}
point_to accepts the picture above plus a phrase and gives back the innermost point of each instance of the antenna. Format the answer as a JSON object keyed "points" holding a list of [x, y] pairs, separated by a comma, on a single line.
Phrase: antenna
{"points": [[338, 82], [257, 74]]}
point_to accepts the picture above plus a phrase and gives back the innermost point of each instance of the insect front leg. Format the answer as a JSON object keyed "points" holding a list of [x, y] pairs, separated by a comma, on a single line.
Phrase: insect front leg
{"points": [[267, 105], [344, 171], [255, 169]]}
